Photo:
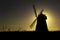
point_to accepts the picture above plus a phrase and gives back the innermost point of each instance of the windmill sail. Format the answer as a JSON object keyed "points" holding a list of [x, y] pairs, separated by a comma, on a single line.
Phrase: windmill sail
{"points": [[35, 10], [33, 23]]}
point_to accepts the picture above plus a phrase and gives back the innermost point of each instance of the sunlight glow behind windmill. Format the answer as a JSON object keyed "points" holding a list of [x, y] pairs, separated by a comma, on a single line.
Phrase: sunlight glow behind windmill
{"points": [[49, 18], [42, 17]]}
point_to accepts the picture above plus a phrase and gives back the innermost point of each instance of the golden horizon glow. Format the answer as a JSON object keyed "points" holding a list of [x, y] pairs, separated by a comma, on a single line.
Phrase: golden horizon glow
{"points": [[50, 21]]}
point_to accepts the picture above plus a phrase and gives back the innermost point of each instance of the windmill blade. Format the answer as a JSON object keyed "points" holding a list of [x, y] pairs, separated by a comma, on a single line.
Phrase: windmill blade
{"points": [[41, 11], [35, 11], [33, 23]]}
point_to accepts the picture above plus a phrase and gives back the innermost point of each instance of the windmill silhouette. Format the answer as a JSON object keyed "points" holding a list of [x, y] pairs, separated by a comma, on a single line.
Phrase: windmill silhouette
{"points": [[41, 21]]}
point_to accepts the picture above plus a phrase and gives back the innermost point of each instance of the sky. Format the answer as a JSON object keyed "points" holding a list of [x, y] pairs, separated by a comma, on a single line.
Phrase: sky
{"points": [[19, 14]]}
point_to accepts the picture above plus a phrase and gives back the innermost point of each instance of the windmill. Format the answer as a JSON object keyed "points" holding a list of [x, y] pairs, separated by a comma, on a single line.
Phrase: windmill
{"points": [[41, 21]]}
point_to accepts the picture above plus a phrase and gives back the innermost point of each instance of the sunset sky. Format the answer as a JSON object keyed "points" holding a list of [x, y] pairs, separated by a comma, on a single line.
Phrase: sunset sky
{"points": [[19, 14]]}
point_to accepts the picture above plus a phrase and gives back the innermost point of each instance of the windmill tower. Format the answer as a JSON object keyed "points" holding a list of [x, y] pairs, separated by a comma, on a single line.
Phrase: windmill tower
{"points": [[41, 25]]}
